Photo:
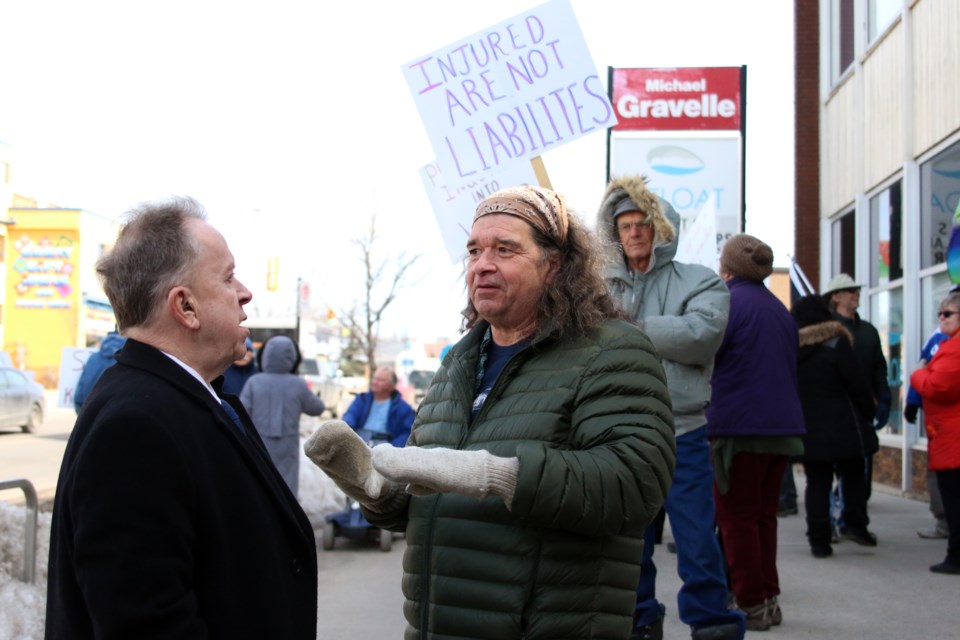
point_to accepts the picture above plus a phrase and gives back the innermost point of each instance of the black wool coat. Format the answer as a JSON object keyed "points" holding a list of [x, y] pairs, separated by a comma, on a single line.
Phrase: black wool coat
{"points": [[169, 522], [834, 394]]}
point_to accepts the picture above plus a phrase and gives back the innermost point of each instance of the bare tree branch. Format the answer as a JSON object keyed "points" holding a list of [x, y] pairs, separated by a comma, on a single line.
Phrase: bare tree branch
{"points": [[383, 281]]}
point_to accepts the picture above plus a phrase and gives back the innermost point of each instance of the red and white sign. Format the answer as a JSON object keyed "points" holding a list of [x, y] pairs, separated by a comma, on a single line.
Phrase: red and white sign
{"points": [[677, 99]]}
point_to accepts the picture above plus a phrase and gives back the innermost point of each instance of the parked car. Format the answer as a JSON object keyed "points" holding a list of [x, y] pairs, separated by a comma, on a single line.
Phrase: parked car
{"points": [[324, 380], [22, 402]]}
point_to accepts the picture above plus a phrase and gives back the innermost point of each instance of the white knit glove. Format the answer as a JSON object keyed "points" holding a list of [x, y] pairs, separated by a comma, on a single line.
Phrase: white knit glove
{"points": [[345, 457], [471, 473]]}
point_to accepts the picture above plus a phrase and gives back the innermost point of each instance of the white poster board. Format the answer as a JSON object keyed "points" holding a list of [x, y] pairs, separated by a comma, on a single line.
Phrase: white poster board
{"points": [[454, 204], [72, 360], [698, 243], [509, 92]]}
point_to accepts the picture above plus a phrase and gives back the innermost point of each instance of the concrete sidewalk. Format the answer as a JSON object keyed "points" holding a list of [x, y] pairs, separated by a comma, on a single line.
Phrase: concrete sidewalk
{"points": [[859, 592]]}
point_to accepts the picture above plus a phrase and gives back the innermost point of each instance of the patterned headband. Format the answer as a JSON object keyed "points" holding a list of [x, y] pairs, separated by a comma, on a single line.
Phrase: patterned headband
{"points": [[541, 208]]}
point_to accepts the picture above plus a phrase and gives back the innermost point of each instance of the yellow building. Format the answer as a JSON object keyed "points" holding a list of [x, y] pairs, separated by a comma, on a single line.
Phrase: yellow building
{"points": [[52, 296]]}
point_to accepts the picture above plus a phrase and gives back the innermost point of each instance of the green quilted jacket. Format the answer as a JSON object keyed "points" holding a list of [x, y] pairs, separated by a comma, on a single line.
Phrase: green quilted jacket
{"points": [[590, 421]]}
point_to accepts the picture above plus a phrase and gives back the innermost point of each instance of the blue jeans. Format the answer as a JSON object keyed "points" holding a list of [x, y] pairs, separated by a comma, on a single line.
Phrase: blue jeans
{"points": [[702, 601]]}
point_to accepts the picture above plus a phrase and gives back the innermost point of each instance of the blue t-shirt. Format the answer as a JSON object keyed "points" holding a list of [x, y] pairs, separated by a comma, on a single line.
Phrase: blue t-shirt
{"points": [[376, 421], [497, 358]]}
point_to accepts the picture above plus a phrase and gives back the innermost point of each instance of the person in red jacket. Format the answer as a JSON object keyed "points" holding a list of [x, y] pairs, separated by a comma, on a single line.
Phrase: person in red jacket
{"points": [[938, 383]]}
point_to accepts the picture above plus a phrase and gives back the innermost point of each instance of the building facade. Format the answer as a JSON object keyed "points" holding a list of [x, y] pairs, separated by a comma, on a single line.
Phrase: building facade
{"points": [[889, 180], [53, 298]]}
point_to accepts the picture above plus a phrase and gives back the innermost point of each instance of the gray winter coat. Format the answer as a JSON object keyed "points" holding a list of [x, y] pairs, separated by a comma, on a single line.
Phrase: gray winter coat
{"points": [[275, 398], [682, 307]]}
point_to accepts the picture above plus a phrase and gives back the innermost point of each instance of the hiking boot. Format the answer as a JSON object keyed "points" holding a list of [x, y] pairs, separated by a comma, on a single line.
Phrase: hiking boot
{"points": [[936, 532], [758, 617], [821, 550], [861, 536], [716, 632], [783, 512], [773, 610], [652, 631], [946, 567]]}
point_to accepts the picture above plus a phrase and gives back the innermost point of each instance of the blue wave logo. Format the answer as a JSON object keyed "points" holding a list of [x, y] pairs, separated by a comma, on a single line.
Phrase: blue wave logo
{"points": [[948, 166], [674, 161]]}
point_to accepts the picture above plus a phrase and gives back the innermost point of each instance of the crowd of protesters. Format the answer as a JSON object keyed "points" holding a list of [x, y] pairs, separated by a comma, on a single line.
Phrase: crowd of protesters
{"points": [[601, 383]]}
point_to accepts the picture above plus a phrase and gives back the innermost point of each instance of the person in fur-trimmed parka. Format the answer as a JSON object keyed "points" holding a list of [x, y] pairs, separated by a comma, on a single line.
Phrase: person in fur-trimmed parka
{"points": [[837, 405], [683, 308]]}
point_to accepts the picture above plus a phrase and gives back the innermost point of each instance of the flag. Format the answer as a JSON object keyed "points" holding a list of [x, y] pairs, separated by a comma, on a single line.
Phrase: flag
{"points": [[799, 283], [953, 249]]}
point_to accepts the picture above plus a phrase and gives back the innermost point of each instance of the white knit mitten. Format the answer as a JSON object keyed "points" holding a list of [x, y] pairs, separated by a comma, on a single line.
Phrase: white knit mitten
{"points": [[470, 473], [345, 457]]}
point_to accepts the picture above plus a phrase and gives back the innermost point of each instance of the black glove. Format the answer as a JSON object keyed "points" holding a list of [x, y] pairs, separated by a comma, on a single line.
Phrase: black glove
{"points": [[882, 415], [910, 413]]}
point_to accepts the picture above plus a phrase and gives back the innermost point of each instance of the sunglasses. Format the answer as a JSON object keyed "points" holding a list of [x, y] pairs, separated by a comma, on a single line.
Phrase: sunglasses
{"points": [[946, 314]]}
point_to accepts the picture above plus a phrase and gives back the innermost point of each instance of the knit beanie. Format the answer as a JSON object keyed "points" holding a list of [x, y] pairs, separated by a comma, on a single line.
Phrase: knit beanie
{"points": [[746, 257]]}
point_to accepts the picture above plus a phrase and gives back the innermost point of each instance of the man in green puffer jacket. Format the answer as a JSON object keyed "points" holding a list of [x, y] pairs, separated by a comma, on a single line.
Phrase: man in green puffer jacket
{"points": [[541, 452]]}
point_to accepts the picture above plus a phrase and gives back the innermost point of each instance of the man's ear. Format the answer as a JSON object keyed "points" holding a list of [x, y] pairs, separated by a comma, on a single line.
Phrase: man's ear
{"points": [[183, 307], [554, 267]]}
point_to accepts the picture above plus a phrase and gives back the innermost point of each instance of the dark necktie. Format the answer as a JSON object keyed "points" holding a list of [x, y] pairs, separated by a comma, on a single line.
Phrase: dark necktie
{"points": [[233, 416]]}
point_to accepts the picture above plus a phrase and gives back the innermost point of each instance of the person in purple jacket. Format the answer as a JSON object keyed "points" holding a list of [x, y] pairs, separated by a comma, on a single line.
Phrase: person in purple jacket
{"points": [[755, 423]]}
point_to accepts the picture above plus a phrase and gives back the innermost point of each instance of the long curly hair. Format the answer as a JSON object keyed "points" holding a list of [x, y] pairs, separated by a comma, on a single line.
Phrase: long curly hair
{"points": [[577, 300]]}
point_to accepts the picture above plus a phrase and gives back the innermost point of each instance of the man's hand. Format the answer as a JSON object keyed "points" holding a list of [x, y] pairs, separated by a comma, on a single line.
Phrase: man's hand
{"points": [[471, 473], [345, 457], [882, 415]]}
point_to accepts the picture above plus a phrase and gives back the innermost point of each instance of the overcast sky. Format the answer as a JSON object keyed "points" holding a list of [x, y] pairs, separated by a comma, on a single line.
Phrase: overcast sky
{"points": [[291, 121]]}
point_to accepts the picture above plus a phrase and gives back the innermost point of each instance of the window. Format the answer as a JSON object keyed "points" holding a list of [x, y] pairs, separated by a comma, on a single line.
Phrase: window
{"points": [[886, 314], [939, 195], [881, 13], [841, 37], [844, 231], [885, 235], [933, 289]]}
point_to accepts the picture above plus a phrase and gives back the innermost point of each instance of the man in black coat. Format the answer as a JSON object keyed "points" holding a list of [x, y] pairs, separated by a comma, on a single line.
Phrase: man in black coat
{"points": [[170, 521]]}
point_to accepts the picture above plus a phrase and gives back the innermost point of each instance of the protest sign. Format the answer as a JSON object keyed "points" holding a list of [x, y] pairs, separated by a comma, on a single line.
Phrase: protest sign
{"points": [[72, 360], [509, 92], [454, 203]]}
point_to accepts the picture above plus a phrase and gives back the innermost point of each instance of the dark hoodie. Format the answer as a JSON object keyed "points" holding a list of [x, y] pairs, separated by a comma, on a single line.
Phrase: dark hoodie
{"points": [[275, 398]]}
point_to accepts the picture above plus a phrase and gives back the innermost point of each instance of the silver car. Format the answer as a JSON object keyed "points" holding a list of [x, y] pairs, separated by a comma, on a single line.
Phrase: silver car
{"points": [[22, 402]]}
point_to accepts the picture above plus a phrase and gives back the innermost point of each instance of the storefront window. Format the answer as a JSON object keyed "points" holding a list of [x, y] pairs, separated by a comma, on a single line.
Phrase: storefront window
{"points": [[841, 37], [939, 194], [886, 314], [844, 232], [933, 289], [881, 13], [887, 252]]}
